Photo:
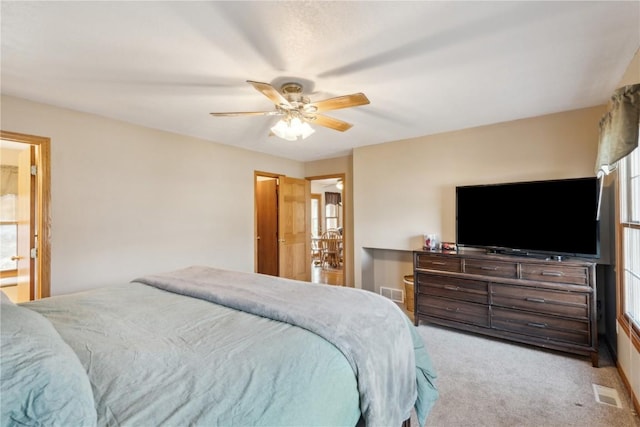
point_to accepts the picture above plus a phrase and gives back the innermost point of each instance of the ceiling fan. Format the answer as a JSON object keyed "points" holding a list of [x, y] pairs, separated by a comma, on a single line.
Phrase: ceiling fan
{"points": [[298, 111]]}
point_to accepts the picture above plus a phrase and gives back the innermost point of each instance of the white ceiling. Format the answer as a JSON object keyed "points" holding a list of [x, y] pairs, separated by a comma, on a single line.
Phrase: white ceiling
{"points": [[427, 67]]}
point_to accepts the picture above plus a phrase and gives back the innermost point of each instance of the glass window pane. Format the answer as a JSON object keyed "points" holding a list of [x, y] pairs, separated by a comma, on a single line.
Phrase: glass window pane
{"points": [[630, 215], [330, 210], [314, 217], [630, 187], [634, 212], [8, 246], [632, 297]]}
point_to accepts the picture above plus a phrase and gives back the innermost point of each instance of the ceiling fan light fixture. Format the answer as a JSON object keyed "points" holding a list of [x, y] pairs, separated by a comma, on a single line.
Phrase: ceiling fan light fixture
{"points": [[292, 128], [298, 111], [305, 130]]}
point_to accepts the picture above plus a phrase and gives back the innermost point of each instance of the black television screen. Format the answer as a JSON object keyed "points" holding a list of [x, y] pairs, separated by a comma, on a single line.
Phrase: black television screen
{"points": [[555, 217]]}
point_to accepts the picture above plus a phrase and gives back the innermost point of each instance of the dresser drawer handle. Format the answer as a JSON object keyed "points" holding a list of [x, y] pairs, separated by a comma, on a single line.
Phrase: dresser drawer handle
{"points": [[438, 263], [451, 288], [484, 267], [532, 299], [552, 273], [537, 325], [452, 309]]}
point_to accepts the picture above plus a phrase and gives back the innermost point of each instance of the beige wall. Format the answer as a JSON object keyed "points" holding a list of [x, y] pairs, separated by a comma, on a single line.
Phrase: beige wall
{"points": [[128, 200], [405, 188], [632, 73]]}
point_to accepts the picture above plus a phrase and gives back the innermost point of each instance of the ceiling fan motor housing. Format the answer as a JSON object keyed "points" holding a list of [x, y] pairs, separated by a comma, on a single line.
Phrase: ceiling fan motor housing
{"points": [[293, 93]]}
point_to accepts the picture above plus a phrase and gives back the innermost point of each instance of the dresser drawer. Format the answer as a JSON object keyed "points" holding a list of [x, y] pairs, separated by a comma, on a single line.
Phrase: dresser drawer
{"points": [[556, 273], [570, 304], [491, 268], [540, 326], [453, 287], [540, 302], [438, 262], [460, 311]]}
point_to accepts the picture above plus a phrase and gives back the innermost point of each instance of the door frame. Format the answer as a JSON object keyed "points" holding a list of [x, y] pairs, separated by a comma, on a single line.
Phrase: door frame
{"points": [[346, 226], [43, 208]]}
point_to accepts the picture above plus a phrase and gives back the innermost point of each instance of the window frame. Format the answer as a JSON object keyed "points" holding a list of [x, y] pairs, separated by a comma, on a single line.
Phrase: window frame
{"points": [[624, 221], [331, 222]]}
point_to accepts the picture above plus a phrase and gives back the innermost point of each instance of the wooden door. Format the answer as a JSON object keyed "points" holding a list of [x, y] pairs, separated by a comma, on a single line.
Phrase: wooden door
{"points": [[294, 224], [25, 216], [267, 225]]}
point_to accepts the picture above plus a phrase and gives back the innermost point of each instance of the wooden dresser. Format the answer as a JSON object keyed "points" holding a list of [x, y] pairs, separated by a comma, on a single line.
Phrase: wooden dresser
{"points": [[546, 303]]}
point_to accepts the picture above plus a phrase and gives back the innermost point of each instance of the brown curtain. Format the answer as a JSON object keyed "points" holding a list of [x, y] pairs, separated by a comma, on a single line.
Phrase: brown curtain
{"points": [[619, 128], [332, 198]]}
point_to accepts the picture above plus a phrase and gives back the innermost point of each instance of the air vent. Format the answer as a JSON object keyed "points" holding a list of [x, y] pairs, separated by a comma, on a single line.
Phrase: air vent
{"points": [[396, 295], [606, 395]]}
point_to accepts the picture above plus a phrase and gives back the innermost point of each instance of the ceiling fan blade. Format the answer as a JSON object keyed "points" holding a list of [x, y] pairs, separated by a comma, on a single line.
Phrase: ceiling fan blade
{"points": [[340, 102], [247, 113], [270, 92], [330, 122]]}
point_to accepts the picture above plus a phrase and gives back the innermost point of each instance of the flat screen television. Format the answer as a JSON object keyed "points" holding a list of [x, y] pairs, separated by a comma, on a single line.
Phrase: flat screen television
{"points": [[547, 218]]}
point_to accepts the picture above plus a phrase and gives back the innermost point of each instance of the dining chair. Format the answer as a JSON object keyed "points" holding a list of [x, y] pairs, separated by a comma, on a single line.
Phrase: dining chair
{"points": [[331, 242], [316, 251]]}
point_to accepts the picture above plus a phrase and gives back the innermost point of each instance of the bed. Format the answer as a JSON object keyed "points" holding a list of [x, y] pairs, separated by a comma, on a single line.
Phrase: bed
{"points": [[204, 346]]}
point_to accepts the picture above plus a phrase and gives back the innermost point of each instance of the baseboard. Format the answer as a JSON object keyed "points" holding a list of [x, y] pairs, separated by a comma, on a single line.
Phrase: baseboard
{"points": [[627, 384]]}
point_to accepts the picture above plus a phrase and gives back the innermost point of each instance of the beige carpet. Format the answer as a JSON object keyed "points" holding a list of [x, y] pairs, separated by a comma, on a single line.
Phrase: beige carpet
{"points": [[488, 382]]}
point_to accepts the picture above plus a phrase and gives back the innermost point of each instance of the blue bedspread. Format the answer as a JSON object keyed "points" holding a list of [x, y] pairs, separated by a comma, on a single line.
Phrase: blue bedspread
{"points": [[267, 352], [159, 359], [375, 336]]}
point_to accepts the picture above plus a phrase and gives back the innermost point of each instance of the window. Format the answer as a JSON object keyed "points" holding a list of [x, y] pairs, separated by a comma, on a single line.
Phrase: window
{"points": [[333, 206], [8, 233], [315, 215], [8, 248], [629, 175], [331, 217]]}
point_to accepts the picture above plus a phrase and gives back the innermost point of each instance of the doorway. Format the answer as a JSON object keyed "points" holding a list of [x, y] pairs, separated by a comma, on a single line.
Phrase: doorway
{"points": [[328, 216], [25, 216], [267, 259]]}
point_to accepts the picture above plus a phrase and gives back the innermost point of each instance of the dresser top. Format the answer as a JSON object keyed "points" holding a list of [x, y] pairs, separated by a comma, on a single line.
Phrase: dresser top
{"points": [[530, 259]]}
